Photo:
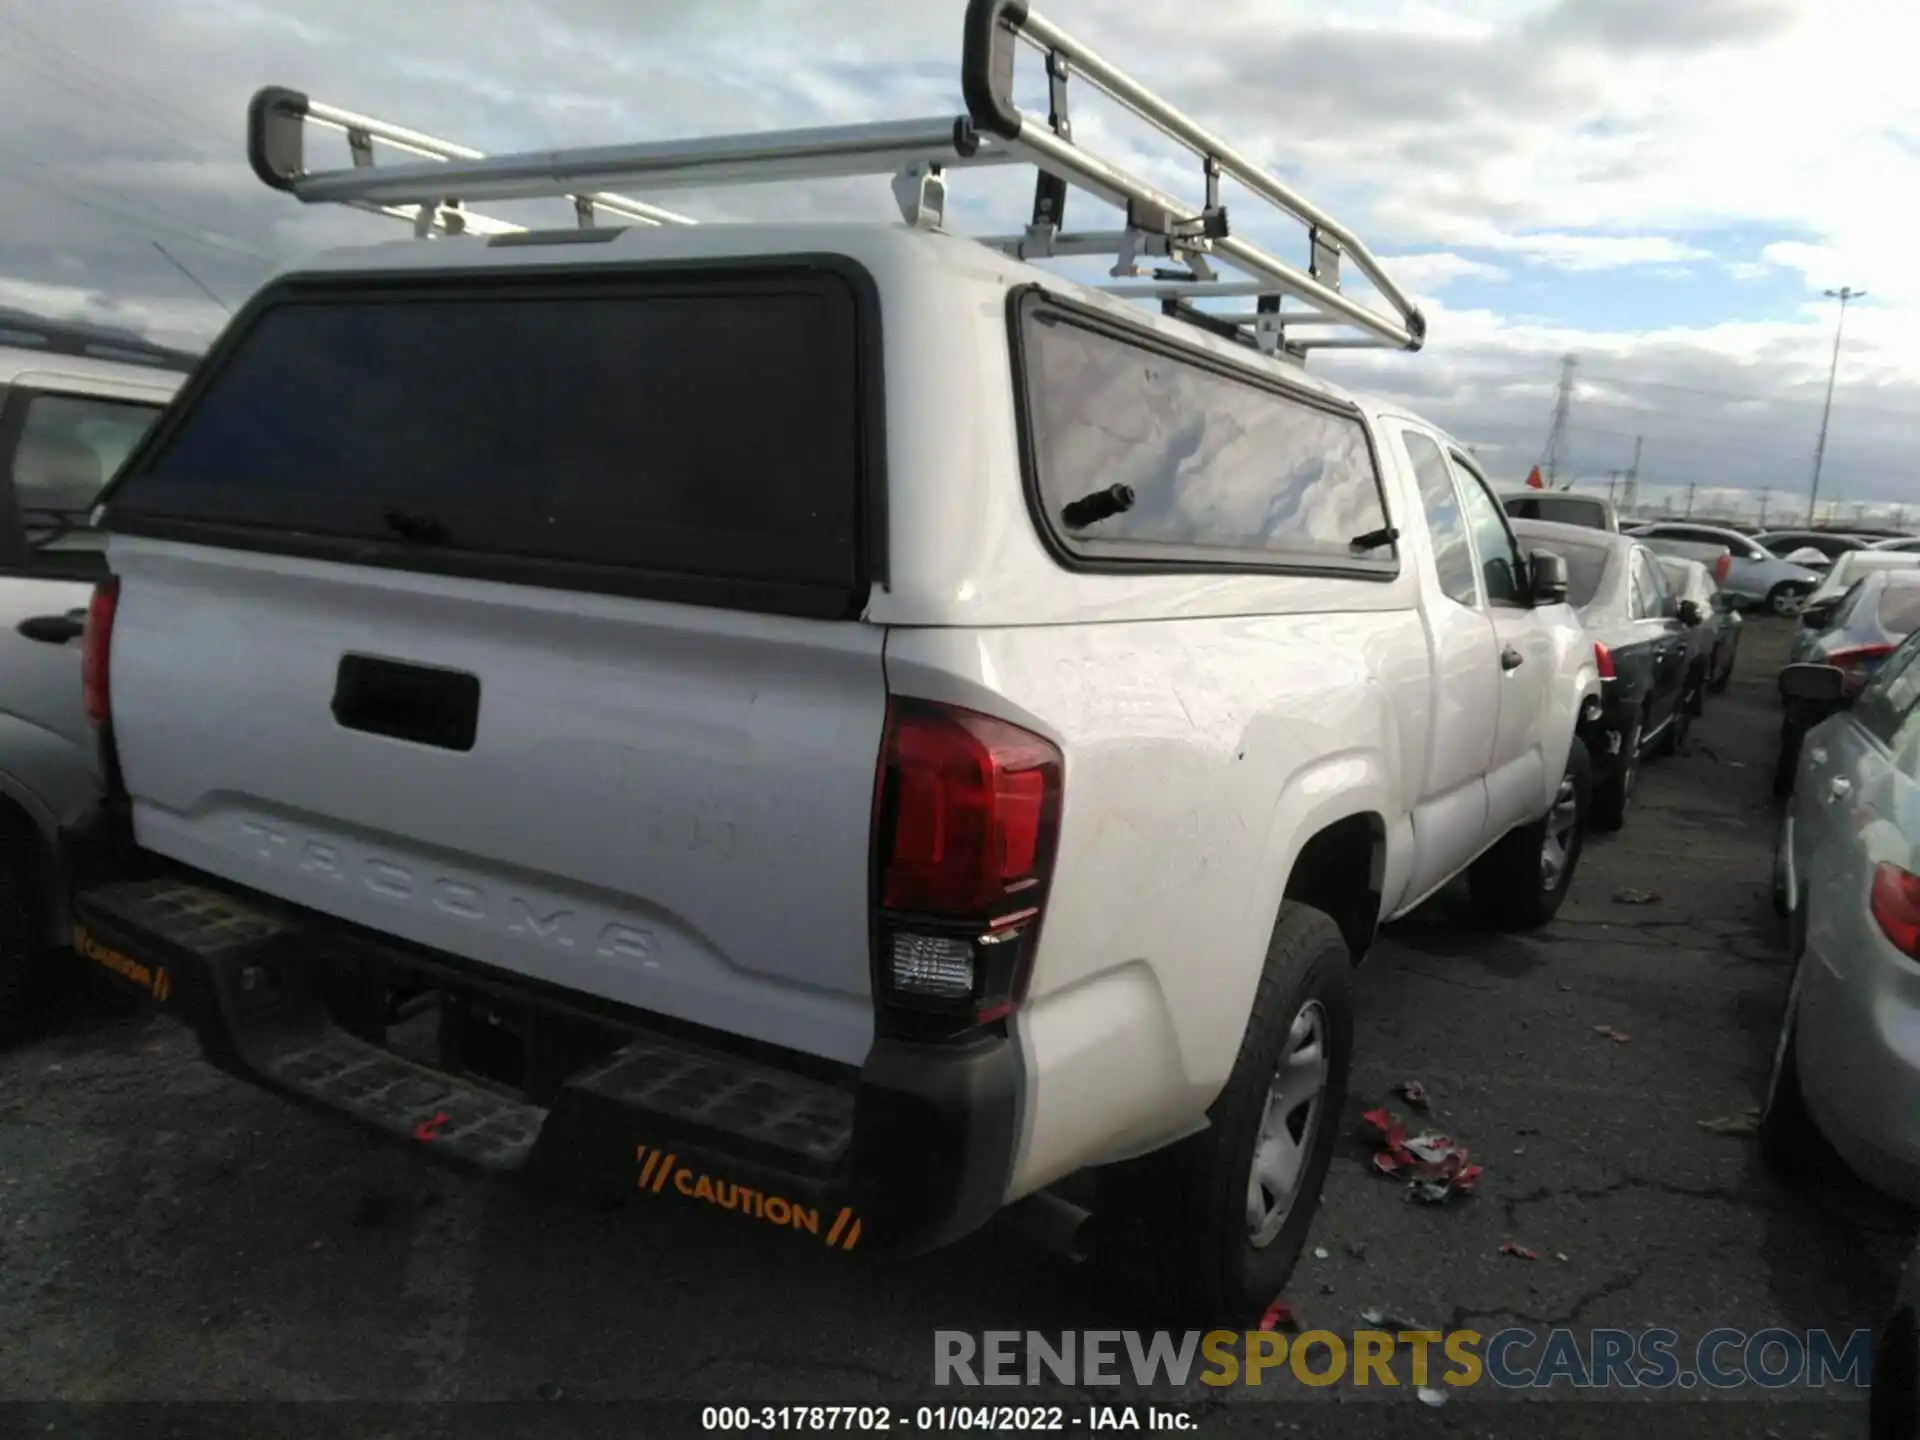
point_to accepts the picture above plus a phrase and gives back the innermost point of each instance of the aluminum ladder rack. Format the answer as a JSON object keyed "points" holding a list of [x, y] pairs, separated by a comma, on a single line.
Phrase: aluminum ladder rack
{"points": [[436, 179]]}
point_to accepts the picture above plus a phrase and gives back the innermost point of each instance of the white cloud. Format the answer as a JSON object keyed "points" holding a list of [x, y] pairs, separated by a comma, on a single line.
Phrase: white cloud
{"points": [[1493, 139]]}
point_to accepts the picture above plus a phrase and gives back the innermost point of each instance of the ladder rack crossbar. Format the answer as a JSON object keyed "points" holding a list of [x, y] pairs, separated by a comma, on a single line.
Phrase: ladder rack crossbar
{"points": [[432, 185]]}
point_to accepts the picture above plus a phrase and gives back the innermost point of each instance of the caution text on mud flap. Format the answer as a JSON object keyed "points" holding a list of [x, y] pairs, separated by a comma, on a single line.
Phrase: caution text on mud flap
{"points": [[662, 1173], [151, 978]]}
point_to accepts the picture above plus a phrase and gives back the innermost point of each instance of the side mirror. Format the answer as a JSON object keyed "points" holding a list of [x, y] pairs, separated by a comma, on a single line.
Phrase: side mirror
{"points": [[1813, 684], [1689, 613], [1549, 578]]}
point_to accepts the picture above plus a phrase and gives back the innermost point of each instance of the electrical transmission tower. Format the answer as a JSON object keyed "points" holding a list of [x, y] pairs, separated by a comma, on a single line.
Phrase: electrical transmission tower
{"points": [[1557, 435], [1632, 492]]}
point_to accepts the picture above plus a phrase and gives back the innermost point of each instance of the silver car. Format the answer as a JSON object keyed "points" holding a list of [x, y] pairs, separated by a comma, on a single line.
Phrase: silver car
{"points": [[1846, 1066], [72, 405], [1756, 577]]}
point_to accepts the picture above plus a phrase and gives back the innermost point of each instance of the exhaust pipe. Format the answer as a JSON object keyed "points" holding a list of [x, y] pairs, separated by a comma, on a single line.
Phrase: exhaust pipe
{"points": [[1047, 1222]]}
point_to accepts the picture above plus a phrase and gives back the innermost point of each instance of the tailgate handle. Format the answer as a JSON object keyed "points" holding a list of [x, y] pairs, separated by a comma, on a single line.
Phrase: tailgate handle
{"points": [[421, 703]]}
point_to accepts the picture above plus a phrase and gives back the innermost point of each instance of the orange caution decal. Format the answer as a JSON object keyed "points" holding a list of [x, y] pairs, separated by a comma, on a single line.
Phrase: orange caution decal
{"points": [[150, 978], [661, 1171]]}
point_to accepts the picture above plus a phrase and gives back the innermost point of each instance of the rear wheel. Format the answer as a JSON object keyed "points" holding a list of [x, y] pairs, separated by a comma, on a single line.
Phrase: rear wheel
{"points": [[1724, 673], [1788, 763], [1208, 1230], [1612, 795], [1785, 598], [19, 932], [1521, 882], [1789, 1139]]}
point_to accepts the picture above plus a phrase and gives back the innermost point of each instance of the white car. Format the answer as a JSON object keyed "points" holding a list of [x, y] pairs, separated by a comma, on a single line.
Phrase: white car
{"points": [[834, 723], [74, 399]]}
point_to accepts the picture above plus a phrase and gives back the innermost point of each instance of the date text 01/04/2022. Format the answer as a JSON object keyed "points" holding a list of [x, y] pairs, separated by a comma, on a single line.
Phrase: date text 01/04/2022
{"points": [[988, 1419]]}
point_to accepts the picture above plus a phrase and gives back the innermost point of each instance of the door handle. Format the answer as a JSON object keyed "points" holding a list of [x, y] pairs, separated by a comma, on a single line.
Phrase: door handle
{"points": [[1511, 659], [54, 629], [1839, 788]]}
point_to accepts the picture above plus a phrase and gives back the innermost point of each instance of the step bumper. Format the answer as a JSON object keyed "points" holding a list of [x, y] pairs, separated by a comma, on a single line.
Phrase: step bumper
{"points": [[909, 1152]]}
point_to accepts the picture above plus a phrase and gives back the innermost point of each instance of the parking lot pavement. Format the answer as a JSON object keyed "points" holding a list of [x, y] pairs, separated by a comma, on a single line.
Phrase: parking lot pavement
{"points": [[166, 1233]]}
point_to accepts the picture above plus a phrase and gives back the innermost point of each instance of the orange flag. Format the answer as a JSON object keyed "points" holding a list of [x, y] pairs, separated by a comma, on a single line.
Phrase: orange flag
{"points": [[1534, 482]]}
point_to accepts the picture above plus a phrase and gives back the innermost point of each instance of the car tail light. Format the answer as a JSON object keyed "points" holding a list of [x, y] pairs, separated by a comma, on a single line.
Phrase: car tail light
{"points": [[1896, 907], [1858, 662], [95, 649], [966, 816], [1603, 661]]}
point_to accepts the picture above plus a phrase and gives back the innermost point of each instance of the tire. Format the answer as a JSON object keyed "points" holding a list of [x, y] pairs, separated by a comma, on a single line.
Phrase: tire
{"points": [[1612, 796], [1673, 739], [19, 934], [1174, 1233], [1779, 886], [1724, 677], [1789, 1140], [1784, 598], [1788, 763], [1519, 884]]}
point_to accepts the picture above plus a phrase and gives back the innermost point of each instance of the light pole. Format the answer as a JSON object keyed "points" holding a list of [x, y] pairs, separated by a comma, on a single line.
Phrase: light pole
{"points": [[1843, 295]]}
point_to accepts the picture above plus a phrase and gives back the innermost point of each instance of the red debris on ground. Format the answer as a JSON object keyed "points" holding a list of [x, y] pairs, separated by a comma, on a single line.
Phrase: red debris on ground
{"points": [[1279, 1316], [1521, 1251], [1434, 1167]]}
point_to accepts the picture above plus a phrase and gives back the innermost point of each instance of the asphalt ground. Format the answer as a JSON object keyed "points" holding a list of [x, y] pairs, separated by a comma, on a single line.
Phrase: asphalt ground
{"points": [[170, 1235]]}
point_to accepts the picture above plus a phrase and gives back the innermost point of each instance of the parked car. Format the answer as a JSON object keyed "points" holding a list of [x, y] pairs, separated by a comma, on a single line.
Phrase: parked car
{"points": [[1846, 1068], [1848, 571], [67, 418], [1756, 577], [1828, 544], [1639, 632], [892, 800], [1855, 634], [1715, 641], [1595, 512]]}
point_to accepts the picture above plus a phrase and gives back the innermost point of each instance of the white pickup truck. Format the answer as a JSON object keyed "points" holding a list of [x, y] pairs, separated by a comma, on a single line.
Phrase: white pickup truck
{"points": [[837, 724]]}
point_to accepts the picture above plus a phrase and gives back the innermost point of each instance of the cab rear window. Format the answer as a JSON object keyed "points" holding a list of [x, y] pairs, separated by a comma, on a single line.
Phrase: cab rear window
{"points": [[708, 431]]}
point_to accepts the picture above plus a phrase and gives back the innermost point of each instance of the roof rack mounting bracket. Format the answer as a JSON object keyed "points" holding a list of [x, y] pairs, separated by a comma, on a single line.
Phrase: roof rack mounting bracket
{"points": [[1049, 189], [921, 192], [1325, 264], [916, 154]]}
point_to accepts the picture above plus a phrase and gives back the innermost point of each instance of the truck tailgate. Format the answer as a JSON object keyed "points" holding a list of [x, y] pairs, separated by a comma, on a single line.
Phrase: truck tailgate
{"points": [[515, 614], [664, 805]]}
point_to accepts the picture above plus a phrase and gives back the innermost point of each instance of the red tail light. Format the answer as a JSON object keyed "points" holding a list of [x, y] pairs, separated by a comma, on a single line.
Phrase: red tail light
{"points": [[1896, 907], [95, 648], [1603, 661], [1722, 568], [1858, 663], [967, 815]]}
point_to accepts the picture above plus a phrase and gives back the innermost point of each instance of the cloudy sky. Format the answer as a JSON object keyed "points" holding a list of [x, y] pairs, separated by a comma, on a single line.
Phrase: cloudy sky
{"points": [[1661, 187]]}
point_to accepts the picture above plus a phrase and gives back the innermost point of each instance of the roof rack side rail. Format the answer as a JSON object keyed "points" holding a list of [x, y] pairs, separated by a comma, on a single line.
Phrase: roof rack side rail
{"points": [[276, 149], [433, 186], [993, 27]]}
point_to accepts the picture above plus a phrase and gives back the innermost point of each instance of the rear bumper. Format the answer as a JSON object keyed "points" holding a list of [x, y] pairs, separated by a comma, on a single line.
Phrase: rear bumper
{"points": [[909, 1152]]}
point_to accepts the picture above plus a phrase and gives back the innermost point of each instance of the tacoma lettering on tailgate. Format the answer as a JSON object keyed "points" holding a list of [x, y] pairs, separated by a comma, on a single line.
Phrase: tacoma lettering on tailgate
{"points": [[541, 922]]}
